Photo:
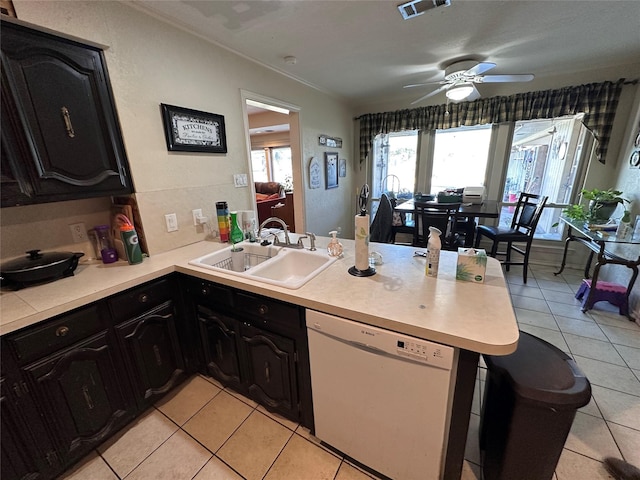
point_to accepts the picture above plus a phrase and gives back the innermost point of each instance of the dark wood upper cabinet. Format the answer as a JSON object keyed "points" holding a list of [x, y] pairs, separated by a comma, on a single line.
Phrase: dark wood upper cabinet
{"points": [[61, 139]]}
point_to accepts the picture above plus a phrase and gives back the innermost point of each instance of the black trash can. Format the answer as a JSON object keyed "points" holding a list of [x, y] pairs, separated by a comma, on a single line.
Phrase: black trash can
{"points": [[530, 401]]}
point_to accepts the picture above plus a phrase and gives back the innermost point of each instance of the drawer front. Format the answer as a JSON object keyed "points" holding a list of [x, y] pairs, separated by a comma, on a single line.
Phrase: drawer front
{"points": [[211, 293], [57, 333], [138, 300], [274, 315]]}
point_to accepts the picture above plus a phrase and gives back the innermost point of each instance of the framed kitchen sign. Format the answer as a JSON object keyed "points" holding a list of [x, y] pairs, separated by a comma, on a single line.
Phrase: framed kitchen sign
{"points": [[331, 169], [189, 130]]}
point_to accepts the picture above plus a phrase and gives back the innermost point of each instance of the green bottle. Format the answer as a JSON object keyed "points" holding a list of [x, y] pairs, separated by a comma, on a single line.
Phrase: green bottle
{"points": [[236, 232]]}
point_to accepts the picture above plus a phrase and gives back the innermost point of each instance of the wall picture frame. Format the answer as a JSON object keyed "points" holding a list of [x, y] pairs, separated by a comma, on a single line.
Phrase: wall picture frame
{"points": [[331, 169], [188, 130], [342, 167], [315, 173]]}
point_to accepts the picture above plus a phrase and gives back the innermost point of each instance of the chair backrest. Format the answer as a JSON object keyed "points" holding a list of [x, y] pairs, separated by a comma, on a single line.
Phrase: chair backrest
{"points": [[527, 213], [381, 230], [439, 215]]}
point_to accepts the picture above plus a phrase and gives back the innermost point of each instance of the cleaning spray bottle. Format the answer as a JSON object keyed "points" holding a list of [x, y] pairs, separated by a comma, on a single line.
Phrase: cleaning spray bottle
{"points": [[335, 247], [434, 245]]}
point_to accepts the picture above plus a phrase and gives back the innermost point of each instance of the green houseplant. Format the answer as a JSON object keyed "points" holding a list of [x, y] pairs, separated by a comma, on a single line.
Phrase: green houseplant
{"points": [[602, 204]]}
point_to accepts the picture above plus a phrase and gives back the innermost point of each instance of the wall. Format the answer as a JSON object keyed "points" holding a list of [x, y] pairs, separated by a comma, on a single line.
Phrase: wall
{"points": [[627, 180], [151, 62]]}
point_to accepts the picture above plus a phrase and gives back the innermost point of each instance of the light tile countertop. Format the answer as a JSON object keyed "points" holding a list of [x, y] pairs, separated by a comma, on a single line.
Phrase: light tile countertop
{"points": [[399, 297]]}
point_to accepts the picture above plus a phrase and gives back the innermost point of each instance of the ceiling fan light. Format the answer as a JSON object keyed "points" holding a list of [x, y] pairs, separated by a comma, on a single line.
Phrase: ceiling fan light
{"points": [[459, 92]]}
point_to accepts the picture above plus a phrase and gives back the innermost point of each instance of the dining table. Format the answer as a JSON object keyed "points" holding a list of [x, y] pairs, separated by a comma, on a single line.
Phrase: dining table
{"points": [[600, 242], [469, 211]]}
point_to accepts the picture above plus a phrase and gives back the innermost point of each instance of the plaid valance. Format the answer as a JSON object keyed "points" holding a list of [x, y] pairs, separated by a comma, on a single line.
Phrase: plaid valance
{"points": [[598, 102]]}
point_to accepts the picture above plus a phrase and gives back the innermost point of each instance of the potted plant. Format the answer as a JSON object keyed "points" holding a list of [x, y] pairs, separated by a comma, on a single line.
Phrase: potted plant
{"points": [[602, 203]]}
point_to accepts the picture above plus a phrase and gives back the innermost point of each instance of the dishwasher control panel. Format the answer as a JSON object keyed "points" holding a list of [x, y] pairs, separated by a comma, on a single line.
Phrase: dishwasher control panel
{"points": [[423, 351], [376, 339]]}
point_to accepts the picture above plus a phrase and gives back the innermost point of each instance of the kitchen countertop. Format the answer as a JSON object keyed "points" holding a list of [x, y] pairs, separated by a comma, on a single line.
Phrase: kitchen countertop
{"points": [[399, 297]]}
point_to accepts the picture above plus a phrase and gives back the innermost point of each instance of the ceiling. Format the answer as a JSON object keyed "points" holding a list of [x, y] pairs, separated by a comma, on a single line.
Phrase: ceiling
{"points": [[362, 50]]}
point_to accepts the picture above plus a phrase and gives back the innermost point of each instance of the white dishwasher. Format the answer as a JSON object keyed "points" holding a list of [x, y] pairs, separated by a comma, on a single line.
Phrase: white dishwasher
{"points": [[381, 397]]}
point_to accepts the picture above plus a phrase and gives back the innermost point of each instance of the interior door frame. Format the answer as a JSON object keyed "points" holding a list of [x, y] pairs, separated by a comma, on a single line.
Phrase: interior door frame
{"points": [[296, 152]]}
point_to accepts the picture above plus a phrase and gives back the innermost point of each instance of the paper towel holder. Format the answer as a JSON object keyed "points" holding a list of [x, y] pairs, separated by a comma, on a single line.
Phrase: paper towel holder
{"points": [[363, 198]]}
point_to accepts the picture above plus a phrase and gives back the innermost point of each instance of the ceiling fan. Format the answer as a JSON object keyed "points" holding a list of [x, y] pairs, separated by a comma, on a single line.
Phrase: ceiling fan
{"points": [[460, 77]]}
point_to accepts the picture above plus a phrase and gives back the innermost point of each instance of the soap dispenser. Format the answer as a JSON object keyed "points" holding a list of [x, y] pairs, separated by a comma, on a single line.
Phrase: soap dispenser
{"points": [[335, 247]]}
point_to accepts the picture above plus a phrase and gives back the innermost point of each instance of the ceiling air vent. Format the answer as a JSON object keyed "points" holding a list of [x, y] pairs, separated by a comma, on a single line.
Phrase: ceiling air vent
{"points": [[418, 7]]}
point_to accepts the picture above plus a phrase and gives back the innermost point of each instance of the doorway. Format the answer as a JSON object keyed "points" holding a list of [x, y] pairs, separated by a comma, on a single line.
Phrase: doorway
{"points": [[274, 159]]}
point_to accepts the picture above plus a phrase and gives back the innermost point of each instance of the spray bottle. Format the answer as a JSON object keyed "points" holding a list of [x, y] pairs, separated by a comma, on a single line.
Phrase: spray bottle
{"points": [[434, 245]]}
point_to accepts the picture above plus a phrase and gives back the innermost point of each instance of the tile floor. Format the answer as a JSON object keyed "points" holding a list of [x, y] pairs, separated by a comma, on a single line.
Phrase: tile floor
{"points": [[203, 431]]}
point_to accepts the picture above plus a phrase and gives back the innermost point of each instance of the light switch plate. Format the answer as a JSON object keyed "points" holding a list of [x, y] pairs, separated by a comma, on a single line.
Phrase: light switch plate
{"points": [[197, 213], [171, 219], [240, 180]]}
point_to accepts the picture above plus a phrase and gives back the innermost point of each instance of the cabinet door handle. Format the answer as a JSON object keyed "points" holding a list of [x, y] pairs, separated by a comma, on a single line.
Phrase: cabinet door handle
{"points": [[219, 349], [156, 351], [62, 331], [87, 397], [267, 371], [67, 122], [263, 309]]}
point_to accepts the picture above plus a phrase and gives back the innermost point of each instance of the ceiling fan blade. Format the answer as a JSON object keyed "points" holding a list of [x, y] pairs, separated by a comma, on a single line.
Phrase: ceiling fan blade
{"points": [[412, 85], [480, 68], [504, 78], [431, 94]]}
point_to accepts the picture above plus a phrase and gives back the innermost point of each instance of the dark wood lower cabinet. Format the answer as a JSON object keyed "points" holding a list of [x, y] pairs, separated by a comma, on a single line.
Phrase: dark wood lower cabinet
{"points": [[153, 353], [271, 370], [68, 383], [254, 345], [219, 341], [81, 394], [24, 456]]}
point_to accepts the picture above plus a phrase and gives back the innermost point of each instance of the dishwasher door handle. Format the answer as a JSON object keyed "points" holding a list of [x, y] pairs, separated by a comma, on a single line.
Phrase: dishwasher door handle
{"points": [[366, 346]]}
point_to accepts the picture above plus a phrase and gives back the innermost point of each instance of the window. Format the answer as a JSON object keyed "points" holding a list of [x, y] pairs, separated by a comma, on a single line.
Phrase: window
{"points": [[460, 157], [545, 160], [394, 169], [272, 164]]}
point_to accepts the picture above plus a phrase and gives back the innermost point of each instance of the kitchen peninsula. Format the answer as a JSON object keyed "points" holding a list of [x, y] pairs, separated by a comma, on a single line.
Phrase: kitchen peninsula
{"points": [[474, 318]]}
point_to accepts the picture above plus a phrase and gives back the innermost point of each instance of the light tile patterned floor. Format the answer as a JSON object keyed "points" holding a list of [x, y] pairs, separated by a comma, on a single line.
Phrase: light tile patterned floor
{"points": [[202, 431]]}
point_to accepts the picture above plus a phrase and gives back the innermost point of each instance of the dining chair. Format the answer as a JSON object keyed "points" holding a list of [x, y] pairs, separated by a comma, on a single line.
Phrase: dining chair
{"points": [[439, 215], [381, 227], [523, 226]]}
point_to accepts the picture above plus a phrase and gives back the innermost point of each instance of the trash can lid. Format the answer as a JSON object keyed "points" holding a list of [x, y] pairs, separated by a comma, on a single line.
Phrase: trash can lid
{"points": [[542, 373]]}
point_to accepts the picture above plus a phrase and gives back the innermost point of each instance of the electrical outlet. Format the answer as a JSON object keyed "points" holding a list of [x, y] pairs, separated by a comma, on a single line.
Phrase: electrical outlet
{"points": [[197, 214], [171, 219], [78, 232]]}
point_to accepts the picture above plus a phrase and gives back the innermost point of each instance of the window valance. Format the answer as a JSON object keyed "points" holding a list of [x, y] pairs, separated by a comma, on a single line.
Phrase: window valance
{"points": [[598, 102]]}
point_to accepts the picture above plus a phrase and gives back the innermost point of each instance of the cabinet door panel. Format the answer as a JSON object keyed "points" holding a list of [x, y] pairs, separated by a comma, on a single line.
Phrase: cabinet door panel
{"points": [[80, 392], [66, 130], [153, 353], [271, 370], [22, 457], [219, 344]]}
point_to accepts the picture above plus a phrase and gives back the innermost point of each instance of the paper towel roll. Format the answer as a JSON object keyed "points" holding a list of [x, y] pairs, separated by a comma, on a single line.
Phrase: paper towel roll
{"points": [[362, 242]]}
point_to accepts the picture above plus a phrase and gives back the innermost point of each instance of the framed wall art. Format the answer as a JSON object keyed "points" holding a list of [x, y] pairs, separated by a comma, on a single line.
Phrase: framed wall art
{"points": [[332, 142], [188, 130], [331, 169], [315, 173], [342, 167]]}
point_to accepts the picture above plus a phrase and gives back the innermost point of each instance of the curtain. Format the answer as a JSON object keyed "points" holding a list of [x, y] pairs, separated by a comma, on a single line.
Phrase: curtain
{"points": [[598, 102]]}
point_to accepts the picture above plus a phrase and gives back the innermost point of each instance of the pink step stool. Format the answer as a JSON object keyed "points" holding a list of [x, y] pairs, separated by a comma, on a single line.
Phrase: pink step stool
{"points": [[614, 293]]}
